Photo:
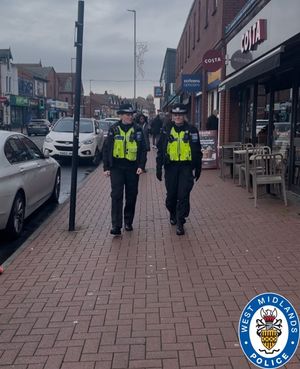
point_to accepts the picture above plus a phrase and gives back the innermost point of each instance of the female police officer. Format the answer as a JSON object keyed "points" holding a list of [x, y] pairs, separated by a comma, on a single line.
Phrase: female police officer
{"points": [[124, 157], [179, 151]]}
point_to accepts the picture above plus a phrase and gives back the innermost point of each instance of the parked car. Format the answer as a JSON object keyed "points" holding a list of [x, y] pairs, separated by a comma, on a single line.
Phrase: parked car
{"points": [[28, 178], [38, 127], [59, 142], [113, 120], [105, 125]]}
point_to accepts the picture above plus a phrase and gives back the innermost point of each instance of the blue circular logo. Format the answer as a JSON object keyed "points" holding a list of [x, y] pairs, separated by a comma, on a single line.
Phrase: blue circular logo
{"points": [[269, 330]]}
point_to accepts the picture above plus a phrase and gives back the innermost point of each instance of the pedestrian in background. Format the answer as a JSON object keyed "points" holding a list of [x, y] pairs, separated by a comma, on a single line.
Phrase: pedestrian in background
{"points": [[156, 126], [179, 152], [124, 157], [142, 121], [212, 123]]}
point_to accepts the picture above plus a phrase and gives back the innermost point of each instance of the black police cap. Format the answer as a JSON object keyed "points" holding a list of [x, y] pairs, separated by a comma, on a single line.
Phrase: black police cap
{"points": [[179, 109], [126, 108]]}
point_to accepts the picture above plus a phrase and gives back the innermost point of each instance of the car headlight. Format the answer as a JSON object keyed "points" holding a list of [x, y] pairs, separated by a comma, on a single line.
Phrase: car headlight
{"points": [[88, 142], [48, 139]]}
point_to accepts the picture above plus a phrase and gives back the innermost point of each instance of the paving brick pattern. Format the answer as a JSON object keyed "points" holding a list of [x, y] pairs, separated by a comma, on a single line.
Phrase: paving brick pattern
{"points": [[148, 299]]}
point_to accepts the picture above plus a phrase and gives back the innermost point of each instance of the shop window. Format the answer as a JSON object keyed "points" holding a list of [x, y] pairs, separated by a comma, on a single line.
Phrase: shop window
{"points": [[296, 169]]}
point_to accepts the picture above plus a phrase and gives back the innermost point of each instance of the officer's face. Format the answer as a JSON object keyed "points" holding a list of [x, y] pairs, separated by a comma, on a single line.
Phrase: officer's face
{"points": [[178, 118], [127, 118]]}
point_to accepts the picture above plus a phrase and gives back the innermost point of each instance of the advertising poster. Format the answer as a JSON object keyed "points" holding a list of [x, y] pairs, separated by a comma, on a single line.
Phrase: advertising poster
{"points": [[209, 143]]}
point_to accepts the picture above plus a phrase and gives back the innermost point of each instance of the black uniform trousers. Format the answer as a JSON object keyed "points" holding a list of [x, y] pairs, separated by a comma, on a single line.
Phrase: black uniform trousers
{"points": [[120, 178], [179, 181]]}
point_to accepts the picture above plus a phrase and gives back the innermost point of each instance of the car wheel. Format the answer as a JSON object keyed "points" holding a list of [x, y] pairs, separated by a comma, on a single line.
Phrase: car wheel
{"points": [[56, 189], [97, 157], [16, 218]]}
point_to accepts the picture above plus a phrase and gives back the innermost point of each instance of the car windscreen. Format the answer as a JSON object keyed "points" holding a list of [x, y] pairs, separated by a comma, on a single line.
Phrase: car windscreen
{"points": [[66, 125], [104, 125]]}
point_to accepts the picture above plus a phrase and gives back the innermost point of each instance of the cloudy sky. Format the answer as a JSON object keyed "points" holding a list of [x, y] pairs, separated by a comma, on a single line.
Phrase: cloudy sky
{"points": [[44, 30]]}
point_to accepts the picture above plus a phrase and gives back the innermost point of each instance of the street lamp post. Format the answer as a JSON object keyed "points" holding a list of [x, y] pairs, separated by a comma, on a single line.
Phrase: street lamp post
{"points": [[134, 54], [72, 87]]}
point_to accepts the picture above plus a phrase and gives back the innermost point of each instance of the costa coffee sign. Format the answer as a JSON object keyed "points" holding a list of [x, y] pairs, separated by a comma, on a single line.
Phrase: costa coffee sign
{"points": [[254, 36], [212, 60]]}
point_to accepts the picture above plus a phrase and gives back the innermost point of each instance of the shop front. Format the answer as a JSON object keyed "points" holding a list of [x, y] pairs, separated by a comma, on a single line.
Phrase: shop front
{"points": [[56, 109], [20, 111], [263, 72]]}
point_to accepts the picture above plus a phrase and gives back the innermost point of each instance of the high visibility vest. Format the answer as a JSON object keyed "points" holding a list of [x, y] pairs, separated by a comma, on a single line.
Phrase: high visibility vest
{"points": [[178, 148], [125, 145]]}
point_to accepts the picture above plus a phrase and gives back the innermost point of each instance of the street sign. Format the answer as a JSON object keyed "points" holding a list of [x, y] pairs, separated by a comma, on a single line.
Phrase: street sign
{"points": [[158, 91], [3, 99], [212, 60], [191, 82]]}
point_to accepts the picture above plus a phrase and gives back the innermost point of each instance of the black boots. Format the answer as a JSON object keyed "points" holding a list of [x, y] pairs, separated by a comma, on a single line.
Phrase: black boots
{"points": [[180, 229], [115, 231], [173, 219], [128, 227]]}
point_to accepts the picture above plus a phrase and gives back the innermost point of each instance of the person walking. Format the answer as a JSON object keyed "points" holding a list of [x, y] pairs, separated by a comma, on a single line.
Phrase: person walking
{"points": [[124, 158], [156, 126], [179, 152], [142, 121], [212, 123]]}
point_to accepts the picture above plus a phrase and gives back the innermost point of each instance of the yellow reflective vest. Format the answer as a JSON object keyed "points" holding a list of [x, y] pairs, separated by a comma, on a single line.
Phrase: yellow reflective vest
{"points": [[125, 145], [178, 148]]}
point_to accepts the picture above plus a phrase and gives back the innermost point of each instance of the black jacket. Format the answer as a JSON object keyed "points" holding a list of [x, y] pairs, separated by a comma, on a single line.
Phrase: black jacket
{"points": [[109, 161], [162, 158]]}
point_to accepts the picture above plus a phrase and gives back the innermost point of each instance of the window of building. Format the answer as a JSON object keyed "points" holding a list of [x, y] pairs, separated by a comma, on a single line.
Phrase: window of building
{"points": [[214, 7], [186, 47], [206, 14], [194, 31], [199, 20], [189, 42], [9, 84], [6, 84]]}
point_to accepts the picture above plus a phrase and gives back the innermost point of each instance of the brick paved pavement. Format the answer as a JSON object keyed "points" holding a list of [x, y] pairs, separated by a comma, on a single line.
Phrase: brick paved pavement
{"points": [[150, 299]]}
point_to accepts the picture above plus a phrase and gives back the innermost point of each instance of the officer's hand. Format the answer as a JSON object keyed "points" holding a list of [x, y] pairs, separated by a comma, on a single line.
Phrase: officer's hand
{"points": [[139, 171], [107, 173], [197, 174], [159, 174]]}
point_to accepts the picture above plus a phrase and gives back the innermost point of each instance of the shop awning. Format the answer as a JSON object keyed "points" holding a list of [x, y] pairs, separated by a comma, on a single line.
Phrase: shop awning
{"points": [[255, 69]]}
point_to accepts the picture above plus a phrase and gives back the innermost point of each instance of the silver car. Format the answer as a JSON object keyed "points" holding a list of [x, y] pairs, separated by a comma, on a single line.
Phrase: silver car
{"points": [[28, 178]]}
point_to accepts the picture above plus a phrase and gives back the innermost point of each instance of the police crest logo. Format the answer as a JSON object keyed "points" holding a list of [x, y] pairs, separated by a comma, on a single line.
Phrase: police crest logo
{"points": [[269, 331]]}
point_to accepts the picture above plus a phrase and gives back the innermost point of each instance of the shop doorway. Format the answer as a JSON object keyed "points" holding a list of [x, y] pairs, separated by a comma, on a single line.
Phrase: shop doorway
{"points": [[295, 159]]}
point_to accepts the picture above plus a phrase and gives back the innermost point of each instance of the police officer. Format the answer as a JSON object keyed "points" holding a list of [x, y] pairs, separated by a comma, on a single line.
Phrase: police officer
{"points": [[124, 157], [179, 152]]}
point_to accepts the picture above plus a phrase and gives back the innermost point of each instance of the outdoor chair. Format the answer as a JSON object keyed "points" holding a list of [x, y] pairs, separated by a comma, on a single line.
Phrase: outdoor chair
{"points": [[239, 159], [268, 169], [227, 156], [246, 170]]}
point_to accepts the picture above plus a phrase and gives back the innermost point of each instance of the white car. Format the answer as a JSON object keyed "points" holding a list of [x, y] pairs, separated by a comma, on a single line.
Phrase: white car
{"points": [[27, 179], [112, 120], [59, 142]]}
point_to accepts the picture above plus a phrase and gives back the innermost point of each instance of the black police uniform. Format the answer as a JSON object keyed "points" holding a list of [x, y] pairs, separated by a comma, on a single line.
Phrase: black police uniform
{"points": [[179, 175], [123, 175]]}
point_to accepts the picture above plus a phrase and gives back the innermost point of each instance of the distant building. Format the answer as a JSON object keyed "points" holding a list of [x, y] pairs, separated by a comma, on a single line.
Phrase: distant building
{"points": [[167, 80], [8, 86]]}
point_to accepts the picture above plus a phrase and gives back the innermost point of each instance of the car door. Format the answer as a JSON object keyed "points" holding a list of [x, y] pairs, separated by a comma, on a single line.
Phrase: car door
{"points": [[24, 171], [45, 171]]}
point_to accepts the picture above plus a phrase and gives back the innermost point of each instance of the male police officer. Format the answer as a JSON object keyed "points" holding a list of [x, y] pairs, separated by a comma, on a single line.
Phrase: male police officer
{"points": [[179, 151], [124, 157]]}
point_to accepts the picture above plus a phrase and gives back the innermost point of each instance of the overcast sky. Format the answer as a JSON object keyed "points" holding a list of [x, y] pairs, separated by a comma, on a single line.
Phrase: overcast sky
{"points": [[44, 30]]}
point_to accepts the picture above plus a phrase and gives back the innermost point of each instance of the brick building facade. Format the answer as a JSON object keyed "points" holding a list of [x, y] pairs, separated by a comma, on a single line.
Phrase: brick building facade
{"points": [[204, 30]]}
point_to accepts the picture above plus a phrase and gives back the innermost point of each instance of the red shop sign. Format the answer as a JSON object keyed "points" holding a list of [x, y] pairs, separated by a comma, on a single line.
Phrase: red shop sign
{"points": [[212, 60], [3, 99]]}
